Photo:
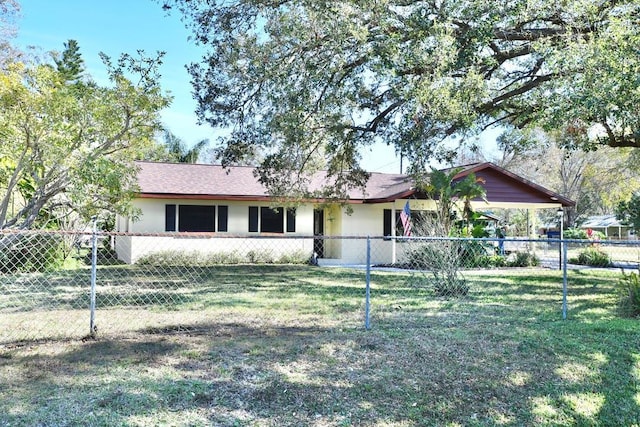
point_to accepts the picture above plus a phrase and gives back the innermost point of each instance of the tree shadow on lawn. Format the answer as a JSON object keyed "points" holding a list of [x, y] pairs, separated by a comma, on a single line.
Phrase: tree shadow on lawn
{"points": [[65, 289], [241, 373]]}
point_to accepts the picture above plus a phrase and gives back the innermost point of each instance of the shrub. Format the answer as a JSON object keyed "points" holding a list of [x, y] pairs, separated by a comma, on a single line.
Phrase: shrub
{"points": [[104, 256], [206, 259], [629, 291], [472, 254], [579, 233], [450, 285], [463, 254], [489, 261], [592, 256], [296, 257], [260, 257], [443, 260], [524, 259], [574, 233], [426, 256], [35, 253]]}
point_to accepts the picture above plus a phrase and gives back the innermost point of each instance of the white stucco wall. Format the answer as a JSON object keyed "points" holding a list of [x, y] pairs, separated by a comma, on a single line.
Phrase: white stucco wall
{"points": [[364, 220], [368, 220], [152, 218], [237, 239]]}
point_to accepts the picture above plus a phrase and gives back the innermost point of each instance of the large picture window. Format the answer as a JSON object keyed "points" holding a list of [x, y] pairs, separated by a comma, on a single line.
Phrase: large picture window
{"points": [[271, 220], [195, 218]]}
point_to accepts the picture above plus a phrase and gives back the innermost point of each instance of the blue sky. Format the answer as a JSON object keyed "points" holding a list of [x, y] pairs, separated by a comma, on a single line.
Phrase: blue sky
{"points": [[113, 27], [116, 26]]}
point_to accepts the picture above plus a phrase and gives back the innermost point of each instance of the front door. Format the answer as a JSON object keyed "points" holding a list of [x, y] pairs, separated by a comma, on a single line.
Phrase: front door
{"points": [[318, 230]]}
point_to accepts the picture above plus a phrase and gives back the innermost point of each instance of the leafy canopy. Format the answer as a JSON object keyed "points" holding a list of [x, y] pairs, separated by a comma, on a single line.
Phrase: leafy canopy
{"points": [[314, 83], [66, 141], [628, 211], [447, 191]]}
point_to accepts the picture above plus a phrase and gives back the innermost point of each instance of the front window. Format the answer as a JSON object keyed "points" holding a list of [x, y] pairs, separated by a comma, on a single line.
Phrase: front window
{"points": [[196, 218], [272, 220]]}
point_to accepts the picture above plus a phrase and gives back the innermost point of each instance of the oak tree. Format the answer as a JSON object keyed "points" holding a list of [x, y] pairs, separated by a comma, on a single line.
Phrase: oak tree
{"points": [[315, 83]]}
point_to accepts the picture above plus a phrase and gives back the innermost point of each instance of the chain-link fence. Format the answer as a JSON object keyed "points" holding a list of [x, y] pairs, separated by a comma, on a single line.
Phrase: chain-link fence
{"points": [[59, 285]]}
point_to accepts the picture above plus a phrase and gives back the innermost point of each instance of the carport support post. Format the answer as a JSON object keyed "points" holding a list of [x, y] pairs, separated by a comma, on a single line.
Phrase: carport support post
{"points": [[367, 302], [94, 262]]}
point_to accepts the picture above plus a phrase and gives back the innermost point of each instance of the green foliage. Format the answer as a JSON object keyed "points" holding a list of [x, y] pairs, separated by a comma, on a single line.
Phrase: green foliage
{"points": [[575, 233], [467, 254], [443, 187], [491, 261], [579, 233], [629, 291], [330, 78], [104, 256], [592, 256], [188, 258], [67, 141], [206, 259], [175, 149], [629, 211], [439, 187], [443, 262], [524, 259], [472, 253], [37, 253], [71, 65], [450, 286]]}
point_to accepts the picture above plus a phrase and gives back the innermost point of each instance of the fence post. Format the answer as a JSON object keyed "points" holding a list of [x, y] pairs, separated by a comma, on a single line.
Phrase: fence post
{"points": [[367, 304], [94, 263], [564, 280]]}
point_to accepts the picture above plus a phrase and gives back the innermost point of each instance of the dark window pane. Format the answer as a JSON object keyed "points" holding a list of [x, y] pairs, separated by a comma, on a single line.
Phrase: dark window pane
{"points": [[386, 227], [196, 218], [291, 220], [271, 220], [223, 218], [399, 227], [170, 218], [253, 218]]}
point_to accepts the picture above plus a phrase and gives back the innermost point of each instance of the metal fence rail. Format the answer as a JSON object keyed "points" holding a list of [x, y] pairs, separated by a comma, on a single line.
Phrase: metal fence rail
{"points": [[63, 285]]}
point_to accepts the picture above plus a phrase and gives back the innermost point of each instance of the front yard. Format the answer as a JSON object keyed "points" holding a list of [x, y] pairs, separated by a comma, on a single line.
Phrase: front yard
{"points": [[273, 346]]}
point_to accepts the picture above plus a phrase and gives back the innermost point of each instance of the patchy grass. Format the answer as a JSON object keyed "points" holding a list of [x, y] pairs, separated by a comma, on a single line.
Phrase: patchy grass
{"points": [[274, 346]]}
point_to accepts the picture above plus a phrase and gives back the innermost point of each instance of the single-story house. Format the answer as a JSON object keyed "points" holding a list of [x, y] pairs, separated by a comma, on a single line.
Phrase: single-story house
{"points": [[180, 200], [608, 225]]}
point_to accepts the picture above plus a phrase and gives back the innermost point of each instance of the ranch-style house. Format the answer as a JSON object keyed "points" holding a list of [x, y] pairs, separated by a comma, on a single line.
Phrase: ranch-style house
{"points": [[191, 205]]}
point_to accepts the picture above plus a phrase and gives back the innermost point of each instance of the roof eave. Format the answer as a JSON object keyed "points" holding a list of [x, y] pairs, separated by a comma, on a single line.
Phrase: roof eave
{"points": [[392, 197], [240, 198]]}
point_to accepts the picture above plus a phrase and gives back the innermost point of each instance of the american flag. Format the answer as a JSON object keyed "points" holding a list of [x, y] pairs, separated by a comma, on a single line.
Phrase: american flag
{"points": [[405, 217]]}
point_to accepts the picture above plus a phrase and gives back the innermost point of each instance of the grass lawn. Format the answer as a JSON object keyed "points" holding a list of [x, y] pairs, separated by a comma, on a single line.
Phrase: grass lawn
{"points": [[276, 346]]}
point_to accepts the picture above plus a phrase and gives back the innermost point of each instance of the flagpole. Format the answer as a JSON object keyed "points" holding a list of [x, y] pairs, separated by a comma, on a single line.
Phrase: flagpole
{"points": [[393, 233]]}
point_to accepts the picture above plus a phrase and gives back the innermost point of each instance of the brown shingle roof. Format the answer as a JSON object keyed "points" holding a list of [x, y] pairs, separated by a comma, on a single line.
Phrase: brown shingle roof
{"points": [[200, 181], [214, 181], [197, 180]]}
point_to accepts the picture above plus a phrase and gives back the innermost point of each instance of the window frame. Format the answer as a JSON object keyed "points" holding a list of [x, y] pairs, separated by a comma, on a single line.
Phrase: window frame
{"points": [[175, 212], [267, 219]]}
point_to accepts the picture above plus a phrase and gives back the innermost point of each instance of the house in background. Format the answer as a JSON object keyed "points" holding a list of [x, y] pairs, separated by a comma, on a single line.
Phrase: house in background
{"points": [[608, 225], [192, 204]]}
